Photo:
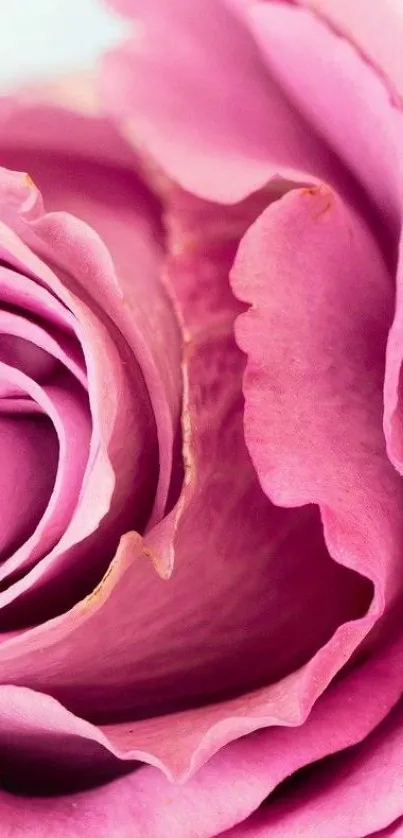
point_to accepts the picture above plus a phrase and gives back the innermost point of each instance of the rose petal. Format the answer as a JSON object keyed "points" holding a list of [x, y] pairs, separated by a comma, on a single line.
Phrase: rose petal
{"points": [[28, 456], [117, 475], [91, 185], [393, 415], [329, 803], [318, 437], [393, 831], [24, 294], [44, 747], [18, 352], [231, 649], [377, 29], [66, 403], [332, 95], [191, 88], [224, 792], [36, 347], [183, 741], [31, 116]]}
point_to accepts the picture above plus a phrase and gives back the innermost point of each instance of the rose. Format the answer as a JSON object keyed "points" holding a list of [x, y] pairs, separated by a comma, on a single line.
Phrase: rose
{"points": [[322, 338], [288, 121], [229, 673]]}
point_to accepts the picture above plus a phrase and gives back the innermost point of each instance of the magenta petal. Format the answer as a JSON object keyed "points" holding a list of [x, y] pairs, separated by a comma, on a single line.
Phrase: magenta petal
{"points": [[117, 489], [33, 347], [151, 656], [393, 831], [224, 792], [314, 378], [330, 802], [393, 391], [39, 340], [66, 403], [93, 177], [19, 352], [28, 456], [25, 293]]}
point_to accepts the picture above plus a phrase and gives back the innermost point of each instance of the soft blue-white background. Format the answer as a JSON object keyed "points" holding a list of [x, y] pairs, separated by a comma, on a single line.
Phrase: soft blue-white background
{"points": [[44, 37]]}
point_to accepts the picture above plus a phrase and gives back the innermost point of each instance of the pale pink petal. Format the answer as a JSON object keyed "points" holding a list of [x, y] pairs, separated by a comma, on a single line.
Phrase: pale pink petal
{"points": [[334, 90], [35, 346], [377, 29], [315, 339], [30, 117], [191, 88], [25, 293], [317, 440]]}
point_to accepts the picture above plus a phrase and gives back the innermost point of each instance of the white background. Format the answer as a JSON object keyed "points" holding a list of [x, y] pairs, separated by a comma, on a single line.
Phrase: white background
{"points": [[44, 37]]}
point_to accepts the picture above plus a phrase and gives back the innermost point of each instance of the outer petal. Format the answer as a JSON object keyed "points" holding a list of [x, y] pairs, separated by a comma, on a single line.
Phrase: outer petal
{"points": [[334, 94], [330, 802], [376, 28], [224, 792], [192, 89], [378, 31], [314, 379]]}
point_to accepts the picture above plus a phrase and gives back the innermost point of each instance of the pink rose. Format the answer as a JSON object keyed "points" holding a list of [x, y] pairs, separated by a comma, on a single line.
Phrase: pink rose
{"points": [[201, 527]]}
